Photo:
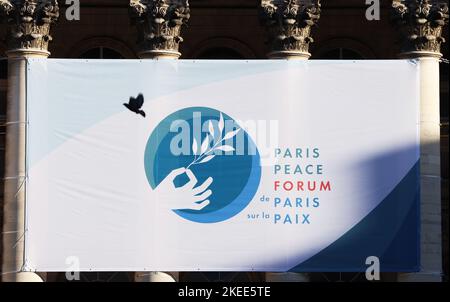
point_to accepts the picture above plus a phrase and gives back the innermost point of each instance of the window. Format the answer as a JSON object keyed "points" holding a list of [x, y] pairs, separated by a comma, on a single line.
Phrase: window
{"points": [[101, 53], [340, 54], [223, 53], [3, 69]]}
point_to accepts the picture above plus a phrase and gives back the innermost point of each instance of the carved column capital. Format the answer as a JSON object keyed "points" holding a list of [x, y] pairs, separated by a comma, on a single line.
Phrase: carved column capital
{"points": [[420, 23], [159, 24], [5, 8], [29, 23], [289, 23]]}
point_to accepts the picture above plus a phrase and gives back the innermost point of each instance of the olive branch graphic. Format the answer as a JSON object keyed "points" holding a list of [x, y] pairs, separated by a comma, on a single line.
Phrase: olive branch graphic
{"points": [[205, 149]]}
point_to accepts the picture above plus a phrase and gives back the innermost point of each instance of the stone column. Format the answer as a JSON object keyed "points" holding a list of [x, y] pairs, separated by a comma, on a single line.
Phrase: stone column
{"points": [[288, 24], [159, 24], [420, 23], [28, 23]]}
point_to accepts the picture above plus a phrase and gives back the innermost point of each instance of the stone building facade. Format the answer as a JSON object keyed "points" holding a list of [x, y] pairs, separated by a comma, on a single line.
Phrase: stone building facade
{"points": [[234, 29]]}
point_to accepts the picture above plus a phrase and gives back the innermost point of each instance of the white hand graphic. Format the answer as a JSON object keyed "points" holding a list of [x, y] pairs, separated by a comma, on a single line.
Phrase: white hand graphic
{"points": [[186, 197]]}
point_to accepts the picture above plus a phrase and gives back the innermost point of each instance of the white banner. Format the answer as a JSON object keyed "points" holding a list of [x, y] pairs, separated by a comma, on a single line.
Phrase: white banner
{"points": [[221, 165]]}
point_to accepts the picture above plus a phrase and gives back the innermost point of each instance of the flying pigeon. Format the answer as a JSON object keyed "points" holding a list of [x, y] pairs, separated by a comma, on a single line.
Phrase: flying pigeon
{"points": [[135, 104]]}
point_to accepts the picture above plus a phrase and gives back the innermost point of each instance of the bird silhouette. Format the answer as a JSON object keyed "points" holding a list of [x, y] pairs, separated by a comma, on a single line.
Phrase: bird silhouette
{"points": [[135, 104]]}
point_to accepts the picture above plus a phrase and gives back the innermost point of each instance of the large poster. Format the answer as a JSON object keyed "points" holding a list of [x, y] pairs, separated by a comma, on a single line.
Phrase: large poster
{"points": [[222, 165]]}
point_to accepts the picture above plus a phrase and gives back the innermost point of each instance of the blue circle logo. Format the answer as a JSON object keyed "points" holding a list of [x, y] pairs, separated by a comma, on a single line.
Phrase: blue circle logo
{"points": [[205, 161]]}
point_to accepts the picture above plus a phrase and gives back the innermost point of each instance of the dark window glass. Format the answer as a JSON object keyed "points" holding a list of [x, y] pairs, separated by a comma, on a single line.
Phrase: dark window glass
{"points": [[91, 54], [111, 54], [220, 53], [2, 103], [340, 54], [101, 53], [330, 55], [3, 69]]}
